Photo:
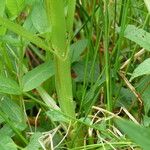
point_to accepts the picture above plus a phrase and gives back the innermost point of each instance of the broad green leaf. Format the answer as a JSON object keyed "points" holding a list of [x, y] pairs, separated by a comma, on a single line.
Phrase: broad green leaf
{"points": [[56, 115], [76, 49], [28, 25], [138, 134], [6, 130], [142, 69], [12, 110], [39, 18], [139, 36], [6, 143], [9, 86], [14, 7], [147, 3], [34, 142], [37, 76]]}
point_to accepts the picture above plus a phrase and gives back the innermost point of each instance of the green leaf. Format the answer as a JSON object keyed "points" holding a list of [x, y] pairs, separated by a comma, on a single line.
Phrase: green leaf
{"points": [[57, 116], [25, 34], [2, 7], [76, 49], [79, 71], [30, 2], [6, 143], [10, 40], [139, 36], [39, 18], [142, 69], [146, 121], [28, 25], [47, 98], [147, 5], [12, 110], [1, 120], [13, 126], [34, 143], [125, 98], [138, 134], [9, 86], [6, 130], [146, 96], [37, 76], [14, 7]]}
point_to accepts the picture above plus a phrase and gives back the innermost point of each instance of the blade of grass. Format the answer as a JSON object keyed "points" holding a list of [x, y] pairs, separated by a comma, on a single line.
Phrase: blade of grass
{"points": [[106, 54]]}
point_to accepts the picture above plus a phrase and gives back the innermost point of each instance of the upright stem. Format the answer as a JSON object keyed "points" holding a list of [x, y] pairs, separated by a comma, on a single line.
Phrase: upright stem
{"points": [[60, 40], [64, 86], [107, 64]]}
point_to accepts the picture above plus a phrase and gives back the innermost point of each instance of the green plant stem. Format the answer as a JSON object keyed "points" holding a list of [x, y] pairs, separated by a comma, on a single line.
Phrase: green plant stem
{"points": [[60, 42], [64, 86], [106, 53]]}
